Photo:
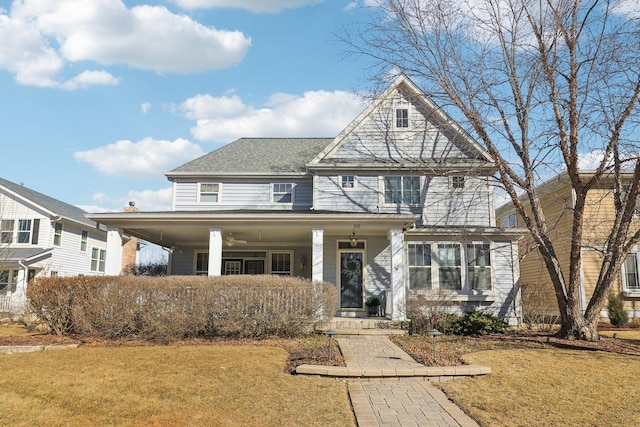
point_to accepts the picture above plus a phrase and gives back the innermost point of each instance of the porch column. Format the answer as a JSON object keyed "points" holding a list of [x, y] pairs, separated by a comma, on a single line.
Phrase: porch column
{"points": [[317, 251], [215, 251], [113, 261], [398, 294]]}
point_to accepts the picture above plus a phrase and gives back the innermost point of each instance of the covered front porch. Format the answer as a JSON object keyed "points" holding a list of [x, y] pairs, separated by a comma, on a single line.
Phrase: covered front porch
{"points": [[362, 254]]}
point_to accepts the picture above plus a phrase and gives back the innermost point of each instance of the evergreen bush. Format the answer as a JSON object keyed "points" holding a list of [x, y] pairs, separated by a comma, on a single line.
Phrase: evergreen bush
{"points": [[477, 322], [618, 316]]}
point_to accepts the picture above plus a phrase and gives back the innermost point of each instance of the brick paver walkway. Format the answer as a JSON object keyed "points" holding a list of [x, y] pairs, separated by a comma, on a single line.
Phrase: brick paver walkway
{"points": [[395, 401]]}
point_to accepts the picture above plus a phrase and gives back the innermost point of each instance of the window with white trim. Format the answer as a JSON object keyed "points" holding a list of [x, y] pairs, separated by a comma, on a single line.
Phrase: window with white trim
{"points": [[457, 182], [509, 221], [83, 240], [8, 281], [6, 230], [202, 263], [282, 192], [209, 192], [281, 263], [347, 182], [449, 266], [402, 118], [57, 234], [24, 231], [479, 266], [98, 259], [402, 190], [630, 279], [419, 255]]}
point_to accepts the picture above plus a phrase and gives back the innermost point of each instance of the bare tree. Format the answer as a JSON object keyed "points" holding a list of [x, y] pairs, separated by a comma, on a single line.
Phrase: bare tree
{"points": [[539, 82]]}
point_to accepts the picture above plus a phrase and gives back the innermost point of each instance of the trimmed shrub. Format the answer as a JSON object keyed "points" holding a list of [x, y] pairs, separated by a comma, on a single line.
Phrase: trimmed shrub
{"points": [[618, 316], [176, 307], [477, 322]]}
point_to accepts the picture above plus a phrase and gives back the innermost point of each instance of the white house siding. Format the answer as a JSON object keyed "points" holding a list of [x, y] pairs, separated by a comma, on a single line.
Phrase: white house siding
{"points": [[242, 194], [67, 259], [365, 197]]}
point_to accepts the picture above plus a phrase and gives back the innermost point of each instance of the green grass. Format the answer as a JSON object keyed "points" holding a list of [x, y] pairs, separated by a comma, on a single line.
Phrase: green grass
{"points": [[231, 385]]}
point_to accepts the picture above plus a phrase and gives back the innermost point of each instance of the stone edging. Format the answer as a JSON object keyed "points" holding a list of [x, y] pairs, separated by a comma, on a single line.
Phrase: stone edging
{"points": [[14, 349], [374, 372]]}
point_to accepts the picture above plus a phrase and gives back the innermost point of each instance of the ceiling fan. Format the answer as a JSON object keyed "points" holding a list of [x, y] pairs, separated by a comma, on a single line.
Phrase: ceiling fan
{"points": [[230, 240]]}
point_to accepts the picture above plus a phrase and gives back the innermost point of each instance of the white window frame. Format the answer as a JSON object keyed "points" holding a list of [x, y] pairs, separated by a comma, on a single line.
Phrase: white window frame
{"points": [[348, 179], [211, 192], [405, 121], [633, 290], [203, 271], [98, 259], [416, 266], [24, 231], [84, 240], [270, 261], [277, 194], [10, 283], [7, 231], [509, 221], [458, 182], [478, 268], [57, 234], [402, 190]]}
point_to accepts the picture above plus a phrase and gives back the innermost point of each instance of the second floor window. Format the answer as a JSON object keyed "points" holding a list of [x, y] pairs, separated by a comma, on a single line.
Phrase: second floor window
{"points": [[282, 193], [457, 181], [57, 234], [630, 277], [24, 231], [348, 182], [509, 221], [6, 230], [402, 190], [83, 240], [209, 192]]}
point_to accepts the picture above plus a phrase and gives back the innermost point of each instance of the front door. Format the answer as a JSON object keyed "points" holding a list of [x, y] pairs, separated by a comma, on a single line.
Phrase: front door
{"points": [[351, 269]]}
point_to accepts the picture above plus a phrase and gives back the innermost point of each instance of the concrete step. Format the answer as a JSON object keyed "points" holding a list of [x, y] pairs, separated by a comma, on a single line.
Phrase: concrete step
{"points": [[365, 326]]}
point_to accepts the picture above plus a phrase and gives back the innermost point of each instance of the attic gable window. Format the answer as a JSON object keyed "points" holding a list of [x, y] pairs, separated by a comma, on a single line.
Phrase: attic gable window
{"points": [[457, 182], [347, 182], [402, 118], [209, 192], [282, 192]]}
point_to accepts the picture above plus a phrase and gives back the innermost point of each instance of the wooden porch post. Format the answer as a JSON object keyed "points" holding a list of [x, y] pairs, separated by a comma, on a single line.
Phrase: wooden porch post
{"points": [[215, 251], [317, 250]]}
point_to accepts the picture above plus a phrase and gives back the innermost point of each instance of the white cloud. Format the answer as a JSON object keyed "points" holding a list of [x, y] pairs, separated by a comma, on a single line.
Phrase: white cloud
{"points": [[258, 6], [316, 113], [145, 107], [147, 158], [39, 38]]}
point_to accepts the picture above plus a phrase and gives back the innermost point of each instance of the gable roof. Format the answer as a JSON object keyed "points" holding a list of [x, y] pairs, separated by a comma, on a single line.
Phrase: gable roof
{"points": [[447, 144], [256, 156], [53, 207]]}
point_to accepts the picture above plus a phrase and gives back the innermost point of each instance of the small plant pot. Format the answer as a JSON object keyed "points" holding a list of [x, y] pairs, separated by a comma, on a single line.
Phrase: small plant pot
{"points": [[373, 310]]}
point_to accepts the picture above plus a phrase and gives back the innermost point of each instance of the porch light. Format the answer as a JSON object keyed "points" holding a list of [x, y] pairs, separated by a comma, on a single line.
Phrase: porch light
{"points": [[303, 262], [353, 240], [434, 333]]}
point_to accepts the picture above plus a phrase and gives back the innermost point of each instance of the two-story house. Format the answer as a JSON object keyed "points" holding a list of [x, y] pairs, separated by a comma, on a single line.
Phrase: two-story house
{"points": [[557, 202], [400, 201], [42, 236]]}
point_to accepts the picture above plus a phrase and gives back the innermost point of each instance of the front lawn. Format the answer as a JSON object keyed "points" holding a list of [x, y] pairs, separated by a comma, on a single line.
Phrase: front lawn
{"points": [[539, 380], [224, 384]]}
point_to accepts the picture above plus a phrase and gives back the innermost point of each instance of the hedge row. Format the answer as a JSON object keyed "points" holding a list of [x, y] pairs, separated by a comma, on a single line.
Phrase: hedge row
{"points": [[178, 307]]}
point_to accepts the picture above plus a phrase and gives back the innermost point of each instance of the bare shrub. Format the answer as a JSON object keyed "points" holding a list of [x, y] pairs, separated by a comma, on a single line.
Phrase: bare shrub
{"points": [[176, 307], [539, 312], [432, 310]]}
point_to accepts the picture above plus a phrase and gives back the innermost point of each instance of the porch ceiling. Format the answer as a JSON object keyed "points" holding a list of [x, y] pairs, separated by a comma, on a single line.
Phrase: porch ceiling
{"points": [[284, 228]]}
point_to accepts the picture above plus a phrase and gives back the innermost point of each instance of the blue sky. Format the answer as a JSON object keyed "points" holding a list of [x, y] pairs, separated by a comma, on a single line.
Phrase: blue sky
{"points": [[100, 97]]}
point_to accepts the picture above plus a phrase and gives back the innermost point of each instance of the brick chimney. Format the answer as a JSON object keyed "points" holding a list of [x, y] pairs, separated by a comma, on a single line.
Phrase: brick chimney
{"points": [[130, 248]]}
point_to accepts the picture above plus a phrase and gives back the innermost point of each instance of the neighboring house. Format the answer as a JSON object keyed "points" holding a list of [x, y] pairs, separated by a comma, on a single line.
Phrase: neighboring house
{"points": [[41, 236], [399, 202], [557, 201]]}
